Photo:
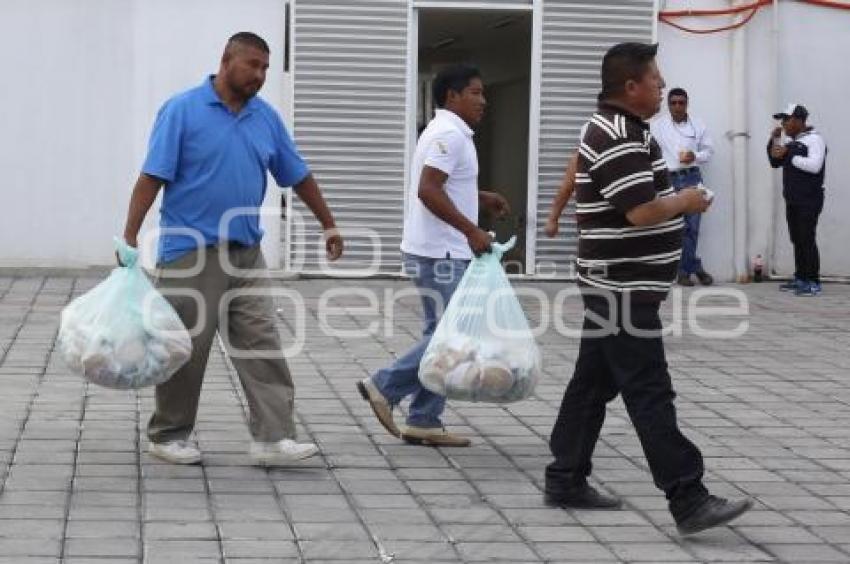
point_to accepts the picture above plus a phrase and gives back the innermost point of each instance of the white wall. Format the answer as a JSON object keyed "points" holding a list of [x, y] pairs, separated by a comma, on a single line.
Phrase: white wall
{"points": [[813, 43], [64, 108], [84, 80]]}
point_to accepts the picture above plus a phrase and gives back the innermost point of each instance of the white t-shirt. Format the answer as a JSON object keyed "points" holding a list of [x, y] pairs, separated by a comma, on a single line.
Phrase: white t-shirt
{"points": [[446, 144]]}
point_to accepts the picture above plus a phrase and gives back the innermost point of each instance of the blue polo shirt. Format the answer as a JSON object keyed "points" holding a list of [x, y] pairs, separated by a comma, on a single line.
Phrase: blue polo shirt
{"points": [[212, 162]]}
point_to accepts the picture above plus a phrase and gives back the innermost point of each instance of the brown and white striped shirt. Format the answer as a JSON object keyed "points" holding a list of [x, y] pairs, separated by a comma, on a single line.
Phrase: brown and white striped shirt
{"points": [[620, 167]]}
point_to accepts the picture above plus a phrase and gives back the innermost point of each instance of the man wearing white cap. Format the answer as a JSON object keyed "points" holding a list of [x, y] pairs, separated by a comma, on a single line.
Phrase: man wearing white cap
{"points": [[803, 162]]}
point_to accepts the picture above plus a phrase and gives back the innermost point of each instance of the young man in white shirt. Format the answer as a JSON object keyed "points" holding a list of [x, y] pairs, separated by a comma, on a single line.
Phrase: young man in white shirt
{"points": [[441, 235], [686, 145]]}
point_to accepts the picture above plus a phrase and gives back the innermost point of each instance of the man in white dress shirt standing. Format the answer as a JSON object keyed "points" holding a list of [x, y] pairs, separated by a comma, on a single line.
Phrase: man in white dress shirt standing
{"points": [[686, 145]]}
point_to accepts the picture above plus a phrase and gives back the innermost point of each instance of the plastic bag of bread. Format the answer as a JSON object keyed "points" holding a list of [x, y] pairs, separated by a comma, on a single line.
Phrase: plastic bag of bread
{"points": [[122, 333], [483, 349]]}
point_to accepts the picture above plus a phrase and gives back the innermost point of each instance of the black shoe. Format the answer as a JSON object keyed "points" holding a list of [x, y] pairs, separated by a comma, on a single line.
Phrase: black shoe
{"points": [[704, 277], [581, 497], [684, 279], [712, 512]]}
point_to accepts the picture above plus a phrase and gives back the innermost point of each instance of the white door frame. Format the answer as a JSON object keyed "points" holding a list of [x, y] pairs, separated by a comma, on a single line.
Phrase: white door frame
{"points": [[289, 93], [536, 8], [534, 136]]}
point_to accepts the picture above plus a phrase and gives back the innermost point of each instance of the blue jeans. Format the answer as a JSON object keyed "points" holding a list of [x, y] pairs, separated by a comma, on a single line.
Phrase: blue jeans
{"points": [[690, 262], [436, 280]]}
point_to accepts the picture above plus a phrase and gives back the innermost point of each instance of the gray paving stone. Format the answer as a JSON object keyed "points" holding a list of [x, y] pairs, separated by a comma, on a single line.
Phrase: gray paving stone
{"points": [[102, 529], [778, 535], [556, 534], [575, 552], [495, 551], [265, 561], [29, 547], [182, 549], [807, 553], [478, 533], [427, 551], [176, 530], [100, 547], [648, 552], [395, 516], [480, 515], [768, 410], [40, 512], [339, 550], [241, 530], [259, 549], [834, 535], [32, 528], [167, 558], [176, 514], [416, 532]]}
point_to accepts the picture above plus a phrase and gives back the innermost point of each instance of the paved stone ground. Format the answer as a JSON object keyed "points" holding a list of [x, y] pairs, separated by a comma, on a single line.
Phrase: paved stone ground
{"points": [[769, 410]]}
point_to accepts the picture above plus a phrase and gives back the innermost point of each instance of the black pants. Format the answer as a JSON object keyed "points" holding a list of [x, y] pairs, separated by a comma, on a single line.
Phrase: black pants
{"points": [[802, 226], [634, 365]]}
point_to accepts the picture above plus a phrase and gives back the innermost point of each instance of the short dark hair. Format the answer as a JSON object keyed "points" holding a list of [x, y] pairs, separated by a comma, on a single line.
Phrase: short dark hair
{"points": [[250, 39], [455, 77], [677, 92], [624, 62]]}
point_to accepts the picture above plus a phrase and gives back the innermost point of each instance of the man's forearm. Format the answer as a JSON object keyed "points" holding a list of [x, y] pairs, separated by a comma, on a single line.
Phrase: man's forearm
{"points": [[657, 211], [309, 193], [439, 203], [560, 202], [141, 200], [566, 189]]}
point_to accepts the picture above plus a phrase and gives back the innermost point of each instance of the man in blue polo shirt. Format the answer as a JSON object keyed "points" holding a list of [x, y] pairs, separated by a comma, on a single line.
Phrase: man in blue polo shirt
{"points": [[211, 148]]}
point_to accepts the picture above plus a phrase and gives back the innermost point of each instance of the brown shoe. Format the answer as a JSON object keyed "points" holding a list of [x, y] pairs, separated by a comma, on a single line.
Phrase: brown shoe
{"points": [[433, 436], [379, 404]]}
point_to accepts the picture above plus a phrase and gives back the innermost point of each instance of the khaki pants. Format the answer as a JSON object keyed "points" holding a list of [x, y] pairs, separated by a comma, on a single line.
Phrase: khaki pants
{"points": [[247, 324]]}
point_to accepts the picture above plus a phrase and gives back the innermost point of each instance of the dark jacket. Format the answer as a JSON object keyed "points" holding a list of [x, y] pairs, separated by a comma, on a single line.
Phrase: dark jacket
{"points": [[798, 186]]}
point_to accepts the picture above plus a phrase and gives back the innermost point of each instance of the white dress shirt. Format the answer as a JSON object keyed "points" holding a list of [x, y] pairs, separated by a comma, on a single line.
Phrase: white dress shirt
{"points": [[446, 144], [689, 135]]}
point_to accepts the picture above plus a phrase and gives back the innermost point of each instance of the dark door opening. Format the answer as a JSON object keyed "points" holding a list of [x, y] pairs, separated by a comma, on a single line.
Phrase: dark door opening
{"points": [[498, 42]]}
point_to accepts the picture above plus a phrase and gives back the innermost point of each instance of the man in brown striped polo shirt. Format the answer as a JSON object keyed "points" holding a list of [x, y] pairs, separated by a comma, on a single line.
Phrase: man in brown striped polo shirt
{"points": [[630, 243]]}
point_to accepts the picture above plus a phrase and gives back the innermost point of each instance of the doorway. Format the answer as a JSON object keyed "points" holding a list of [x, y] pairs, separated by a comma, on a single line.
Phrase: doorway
{"points": [[498, 43]]}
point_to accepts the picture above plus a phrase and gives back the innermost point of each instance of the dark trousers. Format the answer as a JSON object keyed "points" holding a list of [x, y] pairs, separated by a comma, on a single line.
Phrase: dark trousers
{"points": [[802, 226], [632, 363]]}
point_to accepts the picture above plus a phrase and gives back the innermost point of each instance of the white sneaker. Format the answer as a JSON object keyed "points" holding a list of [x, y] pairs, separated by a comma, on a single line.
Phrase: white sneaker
{"points": [[176, 452], [281, 452]]}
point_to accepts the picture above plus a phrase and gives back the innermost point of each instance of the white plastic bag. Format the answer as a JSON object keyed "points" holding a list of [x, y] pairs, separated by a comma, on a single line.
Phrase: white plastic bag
{"points": [[122, 333], [483, 349]]}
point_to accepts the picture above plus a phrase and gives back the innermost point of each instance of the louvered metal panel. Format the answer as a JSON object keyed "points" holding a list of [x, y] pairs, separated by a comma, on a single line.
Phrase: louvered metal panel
{"points": [[460, 4], [575, 37], [350, 77]]}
